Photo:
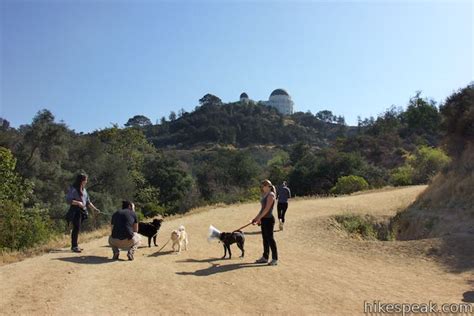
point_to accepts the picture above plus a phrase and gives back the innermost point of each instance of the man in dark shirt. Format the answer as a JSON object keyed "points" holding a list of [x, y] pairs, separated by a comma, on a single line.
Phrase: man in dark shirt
{"points": [[124, 231]]}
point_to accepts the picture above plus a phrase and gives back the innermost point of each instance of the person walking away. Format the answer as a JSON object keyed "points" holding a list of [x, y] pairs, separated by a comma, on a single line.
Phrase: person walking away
{"points": [[283, 195]]}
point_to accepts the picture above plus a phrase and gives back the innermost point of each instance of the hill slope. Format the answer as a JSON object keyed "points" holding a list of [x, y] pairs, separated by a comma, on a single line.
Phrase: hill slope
{"points": [[320, 270], [242, 124], [446, 207]]}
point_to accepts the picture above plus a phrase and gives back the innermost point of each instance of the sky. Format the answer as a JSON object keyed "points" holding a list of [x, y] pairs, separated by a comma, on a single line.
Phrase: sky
{"points": [[98, 63]]}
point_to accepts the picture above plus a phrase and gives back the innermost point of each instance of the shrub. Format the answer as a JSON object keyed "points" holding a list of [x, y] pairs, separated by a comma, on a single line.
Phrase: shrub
{"points": [[22, 228], [349, 184], [366, 226], [402, 176], [420, 167], [140, 216], [426, 163], [152, 209], [356, 224]]}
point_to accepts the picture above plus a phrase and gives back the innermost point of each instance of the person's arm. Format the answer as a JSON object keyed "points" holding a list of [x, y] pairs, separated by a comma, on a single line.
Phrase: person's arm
{"points": [[89, 203], [135, 224], [265, 210], [112, 220], [77, 203], [289, 193], [73, 198]]}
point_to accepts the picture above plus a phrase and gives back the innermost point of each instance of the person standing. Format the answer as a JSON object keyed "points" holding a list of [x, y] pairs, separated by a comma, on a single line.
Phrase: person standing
{"points": [[267, 221], [124, 231], [79, 201], [283, 195]]}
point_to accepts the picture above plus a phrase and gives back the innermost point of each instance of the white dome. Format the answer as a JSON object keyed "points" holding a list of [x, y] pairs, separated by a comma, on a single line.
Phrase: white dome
{"points": [[281, 100]]}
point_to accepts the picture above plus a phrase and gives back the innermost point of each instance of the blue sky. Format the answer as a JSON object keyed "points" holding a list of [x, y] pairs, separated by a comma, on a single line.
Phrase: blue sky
{"points": [[93, 63]]}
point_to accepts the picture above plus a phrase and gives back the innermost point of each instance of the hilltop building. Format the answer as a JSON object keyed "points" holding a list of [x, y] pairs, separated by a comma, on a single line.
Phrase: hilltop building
{"points": [[279, 99]]}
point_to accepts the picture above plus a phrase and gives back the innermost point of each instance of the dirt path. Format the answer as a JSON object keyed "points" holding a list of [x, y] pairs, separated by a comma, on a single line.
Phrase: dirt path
{"points": [[320, 271]]}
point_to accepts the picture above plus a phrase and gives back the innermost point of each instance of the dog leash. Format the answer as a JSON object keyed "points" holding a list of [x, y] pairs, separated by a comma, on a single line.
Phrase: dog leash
{"points": [[164, 245], [242, 227]]}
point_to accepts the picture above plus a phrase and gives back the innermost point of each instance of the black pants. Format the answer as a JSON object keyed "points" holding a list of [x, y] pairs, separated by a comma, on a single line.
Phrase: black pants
{"points": [[282, 207], [268, 240], [76, 227]]}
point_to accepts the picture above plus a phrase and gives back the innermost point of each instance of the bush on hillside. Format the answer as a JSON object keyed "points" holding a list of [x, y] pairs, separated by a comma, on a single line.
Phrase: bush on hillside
{"points": [[349, 184], [420, 167], [402, 176], [22, 228]]}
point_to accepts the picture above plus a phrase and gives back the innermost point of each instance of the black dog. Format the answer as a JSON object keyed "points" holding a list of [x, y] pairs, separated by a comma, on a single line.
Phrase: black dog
{"points": [[150, 230], [231, 238]]}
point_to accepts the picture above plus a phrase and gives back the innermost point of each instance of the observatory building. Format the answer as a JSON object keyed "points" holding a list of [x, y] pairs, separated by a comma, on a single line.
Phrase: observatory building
{"points": [[279, 99]]}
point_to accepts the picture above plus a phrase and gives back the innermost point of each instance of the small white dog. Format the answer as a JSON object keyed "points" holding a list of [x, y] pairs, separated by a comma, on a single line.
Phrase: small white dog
{"points": [[179, 238]]}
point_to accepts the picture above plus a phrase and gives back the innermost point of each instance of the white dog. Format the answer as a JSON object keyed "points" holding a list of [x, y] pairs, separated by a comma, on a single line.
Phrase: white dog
{"points": [[179, 238]]}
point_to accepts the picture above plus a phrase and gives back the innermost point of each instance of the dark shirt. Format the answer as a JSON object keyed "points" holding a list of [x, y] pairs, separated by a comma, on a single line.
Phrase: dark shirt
{"points": [[122, 222], [284, 194]]}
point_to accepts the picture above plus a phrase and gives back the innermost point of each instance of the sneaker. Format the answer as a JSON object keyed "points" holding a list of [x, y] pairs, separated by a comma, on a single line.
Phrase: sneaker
{"points": [[281, 225], [130, 256], [273, 262], [116, 256], [76, 249], [261, 260]]}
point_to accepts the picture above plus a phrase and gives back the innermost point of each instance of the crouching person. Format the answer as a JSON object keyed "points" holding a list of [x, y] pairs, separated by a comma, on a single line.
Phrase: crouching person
{"points": [[124, 231]]}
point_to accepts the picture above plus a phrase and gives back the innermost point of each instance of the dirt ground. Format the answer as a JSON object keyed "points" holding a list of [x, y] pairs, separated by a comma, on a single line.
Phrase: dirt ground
{"points": [[321, 271]]}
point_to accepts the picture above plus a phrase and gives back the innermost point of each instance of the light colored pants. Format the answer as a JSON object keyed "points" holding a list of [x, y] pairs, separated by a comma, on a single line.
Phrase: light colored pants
{"points": [[127, 244]]}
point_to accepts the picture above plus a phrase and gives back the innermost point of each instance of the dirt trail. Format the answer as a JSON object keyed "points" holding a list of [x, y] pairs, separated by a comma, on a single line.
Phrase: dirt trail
{"points": [[320, 270]]}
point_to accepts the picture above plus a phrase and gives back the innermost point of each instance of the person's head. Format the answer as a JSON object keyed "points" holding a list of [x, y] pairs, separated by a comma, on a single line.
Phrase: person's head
{"points": [[267, 186], [284, 183], [129, 205], [80, 181]]}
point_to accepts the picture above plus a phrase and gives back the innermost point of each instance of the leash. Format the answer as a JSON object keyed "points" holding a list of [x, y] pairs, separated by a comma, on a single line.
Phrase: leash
{"points": [[242, 227], [164, 245]]}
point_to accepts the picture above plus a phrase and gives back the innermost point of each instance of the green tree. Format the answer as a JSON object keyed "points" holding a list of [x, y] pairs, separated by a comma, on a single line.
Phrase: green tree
{"points": [[422, 118], [210, 99], [458, 120], [326, 116], [42, 154], [138, 121], [298, 151], [12, 187], [172, 116], [167, 176], [19, 227]]}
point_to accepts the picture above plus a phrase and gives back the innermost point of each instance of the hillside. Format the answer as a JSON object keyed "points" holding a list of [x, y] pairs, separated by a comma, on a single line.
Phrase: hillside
{"points": [[321, 270], [446, 207], [241, 125]]}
